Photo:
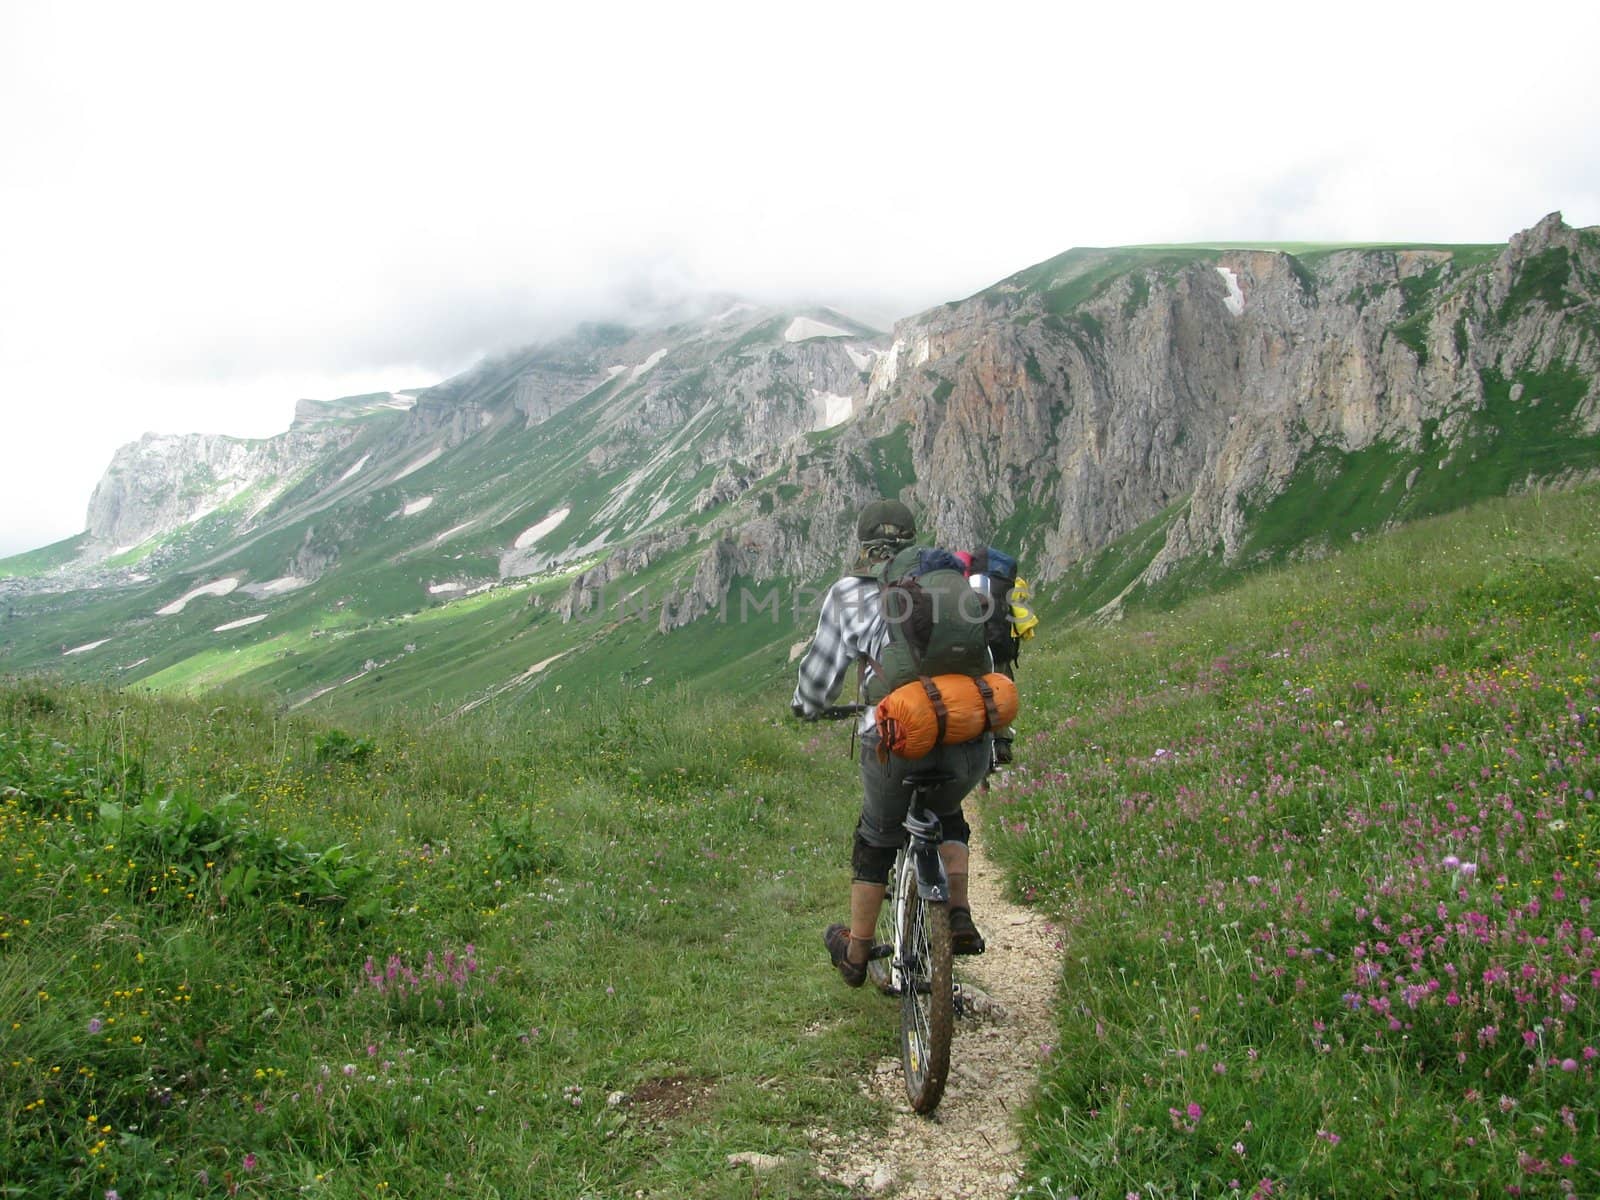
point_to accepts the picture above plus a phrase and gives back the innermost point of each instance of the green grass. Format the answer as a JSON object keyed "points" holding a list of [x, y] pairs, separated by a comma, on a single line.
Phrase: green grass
{"points": [[1241, 814], [1252, 815], [621, 900], [42, 561], [1103, 577], [1337, 496], [1543, 279], [1070, 280]]}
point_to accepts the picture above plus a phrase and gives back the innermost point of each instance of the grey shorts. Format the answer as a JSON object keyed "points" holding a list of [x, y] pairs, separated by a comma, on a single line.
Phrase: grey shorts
{"points": [[885, 797]]}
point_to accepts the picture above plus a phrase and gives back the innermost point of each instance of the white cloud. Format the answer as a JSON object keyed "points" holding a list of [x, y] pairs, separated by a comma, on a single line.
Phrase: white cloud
{"points": [[210, 211]]}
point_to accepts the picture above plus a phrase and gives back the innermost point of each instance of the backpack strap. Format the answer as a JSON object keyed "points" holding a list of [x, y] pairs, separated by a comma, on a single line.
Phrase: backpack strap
{"points": [[941, 713], [990, 709]]}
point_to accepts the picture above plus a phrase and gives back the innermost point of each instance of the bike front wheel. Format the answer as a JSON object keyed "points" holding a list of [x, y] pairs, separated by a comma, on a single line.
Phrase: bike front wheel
{"points": [[880, 970], [927, 1000]]}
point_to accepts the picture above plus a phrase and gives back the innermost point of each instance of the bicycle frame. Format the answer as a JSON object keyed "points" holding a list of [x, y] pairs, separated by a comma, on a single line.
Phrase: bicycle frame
{"points": [[916, 865]]}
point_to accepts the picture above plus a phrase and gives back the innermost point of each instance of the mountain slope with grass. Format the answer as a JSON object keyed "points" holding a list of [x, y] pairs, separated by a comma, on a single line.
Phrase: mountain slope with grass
{"points": [[662, 504], [1327, 852], [1321, 851]]}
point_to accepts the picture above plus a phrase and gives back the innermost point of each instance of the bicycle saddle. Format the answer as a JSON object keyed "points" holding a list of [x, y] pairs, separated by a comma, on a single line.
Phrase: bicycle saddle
{"points": [[928, 779]]}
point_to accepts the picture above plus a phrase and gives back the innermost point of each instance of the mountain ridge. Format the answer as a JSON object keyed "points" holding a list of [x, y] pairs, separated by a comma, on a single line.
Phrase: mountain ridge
{"points": [[1132, 420]]}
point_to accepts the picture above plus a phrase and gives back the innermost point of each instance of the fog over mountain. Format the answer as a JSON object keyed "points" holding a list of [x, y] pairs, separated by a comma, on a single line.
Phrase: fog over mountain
{"points": [[208, 216]]}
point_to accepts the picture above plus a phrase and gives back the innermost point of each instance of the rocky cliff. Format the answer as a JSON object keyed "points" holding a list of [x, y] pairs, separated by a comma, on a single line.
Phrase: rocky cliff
{"points": [[1128, 420], [1097, 392], [163, 482]]}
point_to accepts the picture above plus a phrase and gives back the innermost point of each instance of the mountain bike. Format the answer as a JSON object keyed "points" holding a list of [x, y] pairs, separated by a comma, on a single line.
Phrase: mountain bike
{"points": [[911, 958]]}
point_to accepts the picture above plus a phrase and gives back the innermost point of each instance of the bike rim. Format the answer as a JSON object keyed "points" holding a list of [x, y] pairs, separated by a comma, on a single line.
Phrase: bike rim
{"points": [[927, 1002]]}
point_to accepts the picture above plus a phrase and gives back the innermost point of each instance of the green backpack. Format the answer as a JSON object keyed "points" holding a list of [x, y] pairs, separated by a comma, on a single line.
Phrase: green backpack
{"points": [[936, 621]]}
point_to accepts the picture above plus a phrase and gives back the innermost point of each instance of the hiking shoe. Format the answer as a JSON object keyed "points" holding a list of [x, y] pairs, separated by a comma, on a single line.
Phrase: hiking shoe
{"points": [[837, 939], [964, 935]]}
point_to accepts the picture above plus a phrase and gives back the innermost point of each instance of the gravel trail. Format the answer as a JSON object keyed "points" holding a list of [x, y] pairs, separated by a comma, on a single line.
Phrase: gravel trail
{"points": [[969, 1149]]}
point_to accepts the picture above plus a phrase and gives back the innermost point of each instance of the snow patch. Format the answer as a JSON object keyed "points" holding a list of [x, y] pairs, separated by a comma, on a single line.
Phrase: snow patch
{"points": [[416, 506], [830, 410], [419, 464], [401, 401], [863, 361], [1235, 297], [534, 532], [648, 363], [219, 588], [452, 532], [593, 546], [438, 589], [887, 368], [728, 312], [804, 328], [240, 624], [355, 470], [84, 649], [274, 587], [613, 372], [265, 502]]}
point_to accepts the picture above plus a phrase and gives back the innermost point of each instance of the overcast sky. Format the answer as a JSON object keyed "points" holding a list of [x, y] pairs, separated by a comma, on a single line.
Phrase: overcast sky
{"points": [[208, 211]]}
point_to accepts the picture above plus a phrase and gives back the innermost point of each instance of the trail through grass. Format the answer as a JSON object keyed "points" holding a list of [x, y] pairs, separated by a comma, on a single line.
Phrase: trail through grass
{"points": [[1322, 851]]}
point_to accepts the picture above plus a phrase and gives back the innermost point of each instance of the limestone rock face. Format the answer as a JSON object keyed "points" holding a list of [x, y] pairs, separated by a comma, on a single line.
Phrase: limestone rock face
{"points": [[165, 481], [1207, 383], [1064, 408]]}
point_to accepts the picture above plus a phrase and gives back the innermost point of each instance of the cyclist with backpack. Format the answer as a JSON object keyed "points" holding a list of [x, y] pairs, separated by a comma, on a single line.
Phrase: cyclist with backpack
{"points": [[852, 628]]}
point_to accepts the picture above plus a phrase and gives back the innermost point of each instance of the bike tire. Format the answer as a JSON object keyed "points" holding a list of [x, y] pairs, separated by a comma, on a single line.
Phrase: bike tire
{"points": [[927, 1001]]}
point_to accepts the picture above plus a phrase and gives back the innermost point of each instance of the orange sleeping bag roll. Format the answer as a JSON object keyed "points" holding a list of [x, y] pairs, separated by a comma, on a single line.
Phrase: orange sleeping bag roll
{"points": [[945, 710]]}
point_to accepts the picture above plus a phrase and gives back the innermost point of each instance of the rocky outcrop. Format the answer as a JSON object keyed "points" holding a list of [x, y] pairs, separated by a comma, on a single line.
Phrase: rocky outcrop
{"points": [[163, 482], [1206, 382], [601, 590]]}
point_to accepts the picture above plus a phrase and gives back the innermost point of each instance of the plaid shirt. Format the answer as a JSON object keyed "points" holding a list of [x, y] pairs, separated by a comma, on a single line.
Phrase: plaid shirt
{"points": [[850, 626]]}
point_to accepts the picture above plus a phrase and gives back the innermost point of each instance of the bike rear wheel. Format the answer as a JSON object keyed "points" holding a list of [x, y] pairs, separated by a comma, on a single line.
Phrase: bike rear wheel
{"points": [[927, 999]]}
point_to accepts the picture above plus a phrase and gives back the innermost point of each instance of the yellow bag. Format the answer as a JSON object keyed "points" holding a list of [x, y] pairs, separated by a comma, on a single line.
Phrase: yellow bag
{"points": [[1022, 616], [945, 710]]}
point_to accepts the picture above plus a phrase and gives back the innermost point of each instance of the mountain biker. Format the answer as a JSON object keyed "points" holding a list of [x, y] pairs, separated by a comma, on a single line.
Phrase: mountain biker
{"points": [[850, 629]]}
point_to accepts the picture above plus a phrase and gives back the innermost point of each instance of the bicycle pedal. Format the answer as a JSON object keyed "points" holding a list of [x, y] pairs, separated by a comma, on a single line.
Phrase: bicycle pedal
{"points": [[881, 950]]}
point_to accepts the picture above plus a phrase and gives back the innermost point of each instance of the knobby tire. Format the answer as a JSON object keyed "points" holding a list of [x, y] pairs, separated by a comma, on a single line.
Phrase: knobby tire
{"points": [[927, 1001]]}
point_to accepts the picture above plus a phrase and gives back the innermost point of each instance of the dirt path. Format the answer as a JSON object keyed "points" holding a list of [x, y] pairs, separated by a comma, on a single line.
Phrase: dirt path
{"points": [[968, 1149]]}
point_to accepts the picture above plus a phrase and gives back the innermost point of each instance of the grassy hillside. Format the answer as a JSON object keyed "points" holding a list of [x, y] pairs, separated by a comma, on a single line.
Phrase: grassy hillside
{"points": [[1326, 848], [1323, 847], [578, 955]]}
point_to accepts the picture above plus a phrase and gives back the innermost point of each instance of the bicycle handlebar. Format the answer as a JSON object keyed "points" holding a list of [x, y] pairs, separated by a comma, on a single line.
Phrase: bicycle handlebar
{"points": [[834, 712]]}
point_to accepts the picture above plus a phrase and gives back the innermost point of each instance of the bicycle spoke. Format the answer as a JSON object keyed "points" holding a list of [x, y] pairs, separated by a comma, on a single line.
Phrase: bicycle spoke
{"points": [[926, 1001]]}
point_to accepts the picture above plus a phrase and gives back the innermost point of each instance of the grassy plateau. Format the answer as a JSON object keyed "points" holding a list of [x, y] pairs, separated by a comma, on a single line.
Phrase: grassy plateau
{"points": [[1322, 848]]}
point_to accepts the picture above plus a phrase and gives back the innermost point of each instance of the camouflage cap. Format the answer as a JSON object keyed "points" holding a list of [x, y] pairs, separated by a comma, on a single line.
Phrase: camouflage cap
{"points": [[885, 520], [883, 527]]}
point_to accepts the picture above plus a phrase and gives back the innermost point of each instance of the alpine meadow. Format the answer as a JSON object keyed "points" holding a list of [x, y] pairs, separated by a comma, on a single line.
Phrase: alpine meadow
{"points": [[409, 804]]}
